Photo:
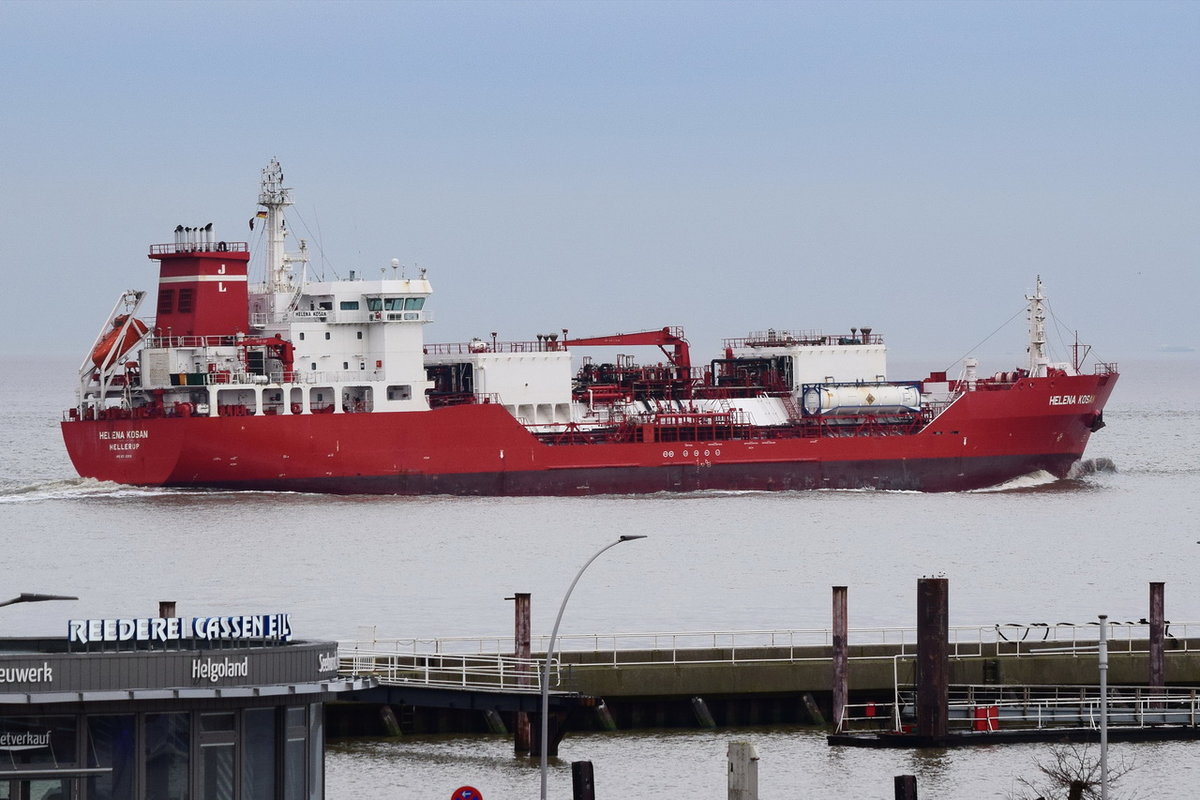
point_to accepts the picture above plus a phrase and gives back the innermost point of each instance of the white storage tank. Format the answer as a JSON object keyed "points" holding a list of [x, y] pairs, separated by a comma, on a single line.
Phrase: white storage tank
{"points": [[860, 399]]}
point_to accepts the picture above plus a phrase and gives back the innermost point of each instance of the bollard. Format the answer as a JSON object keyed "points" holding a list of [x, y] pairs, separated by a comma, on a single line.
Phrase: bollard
{"points": [[906, 787], [583, 781], [743, 771]]}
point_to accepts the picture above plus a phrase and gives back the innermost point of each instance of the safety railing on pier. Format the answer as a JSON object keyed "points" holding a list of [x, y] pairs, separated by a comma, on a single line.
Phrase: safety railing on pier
{"points": [[497, 673], [1010, 640], [991, 707]]}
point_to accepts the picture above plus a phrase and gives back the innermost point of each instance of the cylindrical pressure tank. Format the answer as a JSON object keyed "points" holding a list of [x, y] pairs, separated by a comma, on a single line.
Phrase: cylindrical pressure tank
{"points": [[856, 399]]}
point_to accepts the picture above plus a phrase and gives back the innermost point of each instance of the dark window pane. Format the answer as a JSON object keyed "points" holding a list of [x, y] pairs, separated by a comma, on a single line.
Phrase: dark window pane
{"points": [[216, 782], [48, 741], [293, 771], [166, 746], [258, 753], [210, 723], [110, 744]]}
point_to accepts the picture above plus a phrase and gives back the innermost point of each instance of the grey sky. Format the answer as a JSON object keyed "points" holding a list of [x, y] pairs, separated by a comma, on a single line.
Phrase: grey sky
{"points": [[616, 166]]}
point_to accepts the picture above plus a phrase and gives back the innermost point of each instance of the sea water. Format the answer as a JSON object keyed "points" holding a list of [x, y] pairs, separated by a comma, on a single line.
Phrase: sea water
{"points": [[1035, 550]]}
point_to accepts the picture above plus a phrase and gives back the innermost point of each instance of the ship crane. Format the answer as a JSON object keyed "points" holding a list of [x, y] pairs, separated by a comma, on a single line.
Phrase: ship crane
{"points": [[679, 355]]}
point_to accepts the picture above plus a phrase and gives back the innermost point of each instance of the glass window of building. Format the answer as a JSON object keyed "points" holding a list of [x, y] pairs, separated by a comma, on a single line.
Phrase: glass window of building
{"points": [[295, 765], [217, 777], [258, 753], [35, 742], [110, 743], [166, 747]]}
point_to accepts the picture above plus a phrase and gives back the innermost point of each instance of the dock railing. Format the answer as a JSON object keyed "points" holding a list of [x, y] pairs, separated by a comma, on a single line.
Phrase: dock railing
{"points": [[992, 707], [483, 672], [1009, 640]]}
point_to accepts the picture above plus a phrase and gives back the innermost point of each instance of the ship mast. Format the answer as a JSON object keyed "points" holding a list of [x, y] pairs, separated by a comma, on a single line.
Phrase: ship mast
{"points": [[1038, 360], [275, 198]]}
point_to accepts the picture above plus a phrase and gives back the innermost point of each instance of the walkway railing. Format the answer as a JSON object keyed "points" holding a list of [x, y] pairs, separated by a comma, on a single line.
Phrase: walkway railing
{"points": [[1010, 640], [991, 707], [470, 672]]}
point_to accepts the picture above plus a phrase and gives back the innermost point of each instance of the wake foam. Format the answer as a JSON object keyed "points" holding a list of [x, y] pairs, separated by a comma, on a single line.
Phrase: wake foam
{"points": [[1032, 480], [81, 488], [1091, 466]]}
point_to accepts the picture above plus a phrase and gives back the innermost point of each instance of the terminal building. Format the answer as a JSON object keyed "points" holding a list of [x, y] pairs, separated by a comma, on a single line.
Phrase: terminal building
{"points": [[166, 708]]}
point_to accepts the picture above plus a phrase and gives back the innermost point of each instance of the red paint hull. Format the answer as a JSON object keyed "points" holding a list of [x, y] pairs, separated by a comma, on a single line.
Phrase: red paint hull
{"points": [[984, 438]]}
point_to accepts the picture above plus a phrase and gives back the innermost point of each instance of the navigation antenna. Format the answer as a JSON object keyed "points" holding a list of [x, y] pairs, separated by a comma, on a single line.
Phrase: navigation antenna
{"points": [[1037, 332]]}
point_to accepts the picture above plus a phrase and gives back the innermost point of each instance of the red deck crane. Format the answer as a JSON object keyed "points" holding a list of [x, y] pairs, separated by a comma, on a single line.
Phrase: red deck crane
{"points": [[679, 355]]}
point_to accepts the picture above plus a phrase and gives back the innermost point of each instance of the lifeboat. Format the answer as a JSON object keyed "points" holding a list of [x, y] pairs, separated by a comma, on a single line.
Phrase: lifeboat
{"points": [[119, 340]]}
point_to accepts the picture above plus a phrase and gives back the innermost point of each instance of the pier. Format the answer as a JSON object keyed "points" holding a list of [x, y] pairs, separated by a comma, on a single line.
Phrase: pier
{"points": [[1027, 677]]}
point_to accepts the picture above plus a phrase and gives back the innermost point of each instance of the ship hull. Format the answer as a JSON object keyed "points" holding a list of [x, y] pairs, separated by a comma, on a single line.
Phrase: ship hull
{"points": [[982, 439]]}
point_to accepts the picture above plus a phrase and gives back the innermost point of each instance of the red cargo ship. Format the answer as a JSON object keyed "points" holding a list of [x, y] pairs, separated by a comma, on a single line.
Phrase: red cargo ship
{"points": [[328, 386]]}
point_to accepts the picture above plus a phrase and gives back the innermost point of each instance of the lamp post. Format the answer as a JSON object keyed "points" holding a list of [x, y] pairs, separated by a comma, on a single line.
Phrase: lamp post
{"points": [[1103, 659], [26, 597], [550, 653]]}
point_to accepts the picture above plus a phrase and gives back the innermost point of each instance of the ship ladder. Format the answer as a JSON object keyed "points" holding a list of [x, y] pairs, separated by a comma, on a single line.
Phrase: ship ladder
{"points": [[793, 410]]}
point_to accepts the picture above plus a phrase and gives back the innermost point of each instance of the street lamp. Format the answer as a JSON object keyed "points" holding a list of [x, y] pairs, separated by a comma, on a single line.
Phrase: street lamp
{"points": [[1103, 659], [550, 652], [26, 597]]}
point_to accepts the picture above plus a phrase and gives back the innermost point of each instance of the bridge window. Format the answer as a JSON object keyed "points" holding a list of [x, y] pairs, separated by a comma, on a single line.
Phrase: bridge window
{"points": [[348, 305], [414, 303], [374, 304]]}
